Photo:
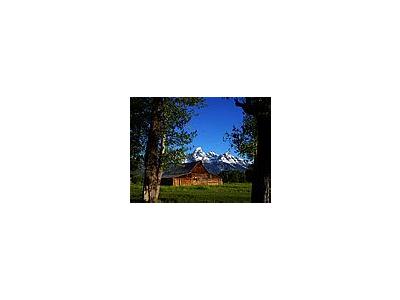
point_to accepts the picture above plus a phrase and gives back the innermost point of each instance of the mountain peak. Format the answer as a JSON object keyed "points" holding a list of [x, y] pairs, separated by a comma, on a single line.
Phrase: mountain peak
{"points": [[216, 163], [198, 149], [212, 154]]}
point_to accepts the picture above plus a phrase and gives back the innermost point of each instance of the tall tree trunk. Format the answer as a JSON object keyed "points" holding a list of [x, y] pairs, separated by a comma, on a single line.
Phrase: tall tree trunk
{"points": [[159, 171], [261, 186], [260, 108], [152, 179]]}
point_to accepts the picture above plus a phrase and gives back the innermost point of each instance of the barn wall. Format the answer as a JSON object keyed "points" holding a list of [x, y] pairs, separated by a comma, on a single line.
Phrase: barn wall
{"points": [[185, 180], [215, 181], [197, 179], [199, 176]]}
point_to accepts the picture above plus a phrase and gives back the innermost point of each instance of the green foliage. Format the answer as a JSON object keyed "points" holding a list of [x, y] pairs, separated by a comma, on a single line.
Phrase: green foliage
{"points": [[226, 193], [136, 176], [244, 138], [177, 112], [139, 126], [137, 179], [255, 106]]}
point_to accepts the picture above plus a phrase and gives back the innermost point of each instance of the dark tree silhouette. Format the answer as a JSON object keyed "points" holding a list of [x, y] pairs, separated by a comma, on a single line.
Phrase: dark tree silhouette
{"points": [[260, 109]]}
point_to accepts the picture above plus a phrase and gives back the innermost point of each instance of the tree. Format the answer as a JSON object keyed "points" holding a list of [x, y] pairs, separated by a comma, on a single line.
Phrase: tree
{"points": [[233, 176], [139, 128], [258, 108], [244, 138], [249, 174], [166, 138], [154, 150]]}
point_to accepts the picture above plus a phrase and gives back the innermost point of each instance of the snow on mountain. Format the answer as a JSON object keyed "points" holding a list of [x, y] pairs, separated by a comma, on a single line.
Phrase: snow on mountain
{"points": [[199, 154], [216, 163]]}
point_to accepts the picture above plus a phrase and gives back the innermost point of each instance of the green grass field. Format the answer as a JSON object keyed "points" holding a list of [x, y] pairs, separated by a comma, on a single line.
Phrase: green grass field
{"points": [[226, 193]]}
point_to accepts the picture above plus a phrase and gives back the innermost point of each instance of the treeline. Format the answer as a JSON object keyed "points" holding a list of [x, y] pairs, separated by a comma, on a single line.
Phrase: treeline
{"points": [[236, 176]]}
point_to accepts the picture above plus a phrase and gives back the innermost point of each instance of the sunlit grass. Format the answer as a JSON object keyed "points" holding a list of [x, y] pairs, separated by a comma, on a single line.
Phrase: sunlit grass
{"points": [[226, 193]]}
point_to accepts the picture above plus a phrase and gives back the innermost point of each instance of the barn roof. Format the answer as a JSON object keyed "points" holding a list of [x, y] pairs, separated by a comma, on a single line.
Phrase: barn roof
{"points": [[180, 170]]}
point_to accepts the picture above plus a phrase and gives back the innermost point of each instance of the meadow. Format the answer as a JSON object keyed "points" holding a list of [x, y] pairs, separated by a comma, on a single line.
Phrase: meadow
{"points": [[226, 193]]}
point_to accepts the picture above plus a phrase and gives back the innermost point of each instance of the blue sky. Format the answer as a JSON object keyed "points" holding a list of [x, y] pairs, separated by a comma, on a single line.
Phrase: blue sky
{"points": [[212, 122]]}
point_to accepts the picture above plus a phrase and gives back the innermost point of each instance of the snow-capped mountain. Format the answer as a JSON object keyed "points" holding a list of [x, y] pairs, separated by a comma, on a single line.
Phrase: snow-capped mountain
{"points": [[215, 163]]}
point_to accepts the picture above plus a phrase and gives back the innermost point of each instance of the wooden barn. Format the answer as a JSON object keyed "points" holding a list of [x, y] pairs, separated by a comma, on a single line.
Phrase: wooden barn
{"points": [[190, 174]]}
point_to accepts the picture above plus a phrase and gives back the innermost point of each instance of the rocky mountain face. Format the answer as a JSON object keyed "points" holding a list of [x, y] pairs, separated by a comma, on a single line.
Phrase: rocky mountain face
{"points": [[216, 163]]}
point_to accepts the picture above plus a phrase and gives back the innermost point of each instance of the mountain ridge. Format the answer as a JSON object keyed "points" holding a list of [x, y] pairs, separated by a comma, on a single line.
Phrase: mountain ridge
{"points": [[216, 163]]}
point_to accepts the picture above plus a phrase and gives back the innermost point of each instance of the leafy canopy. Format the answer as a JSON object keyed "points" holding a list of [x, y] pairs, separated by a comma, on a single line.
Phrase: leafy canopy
{"points": [[177, 112], [244, 138]]}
